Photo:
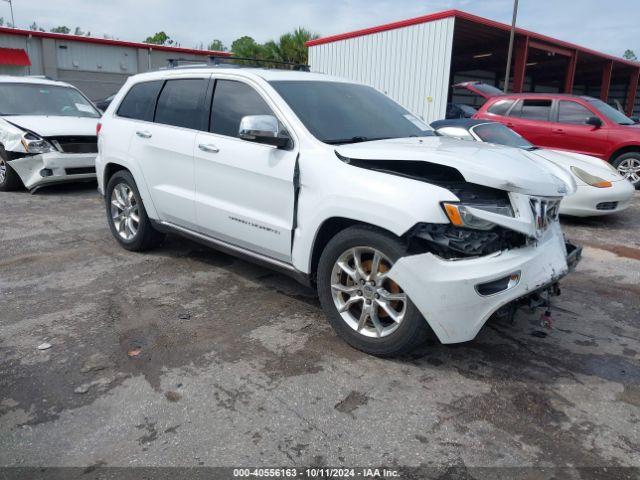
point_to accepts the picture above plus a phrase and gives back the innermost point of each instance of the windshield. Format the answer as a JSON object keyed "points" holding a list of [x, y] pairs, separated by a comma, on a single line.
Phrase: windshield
{"points": [[34, 99], [337, 113], [498, 133], [609, 112]]}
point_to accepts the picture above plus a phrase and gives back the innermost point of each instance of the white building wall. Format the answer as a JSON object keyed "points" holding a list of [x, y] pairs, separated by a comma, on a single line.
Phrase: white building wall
{"points": [[410, 64], [89, 57], [31, 45]]}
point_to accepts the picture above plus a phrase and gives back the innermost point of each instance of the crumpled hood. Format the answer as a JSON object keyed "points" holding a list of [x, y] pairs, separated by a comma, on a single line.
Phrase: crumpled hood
{"points": [[55, 126], [504, 168], [589, 164]]}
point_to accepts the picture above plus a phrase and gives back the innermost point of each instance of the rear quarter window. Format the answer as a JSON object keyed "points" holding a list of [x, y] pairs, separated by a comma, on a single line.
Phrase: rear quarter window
{"points": [[533, 109], [501, 107], [140, 101]]}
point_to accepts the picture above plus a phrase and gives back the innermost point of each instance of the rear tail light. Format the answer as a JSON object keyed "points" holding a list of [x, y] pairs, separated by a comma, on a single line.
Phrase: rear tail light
{"points": [[98, 128]]}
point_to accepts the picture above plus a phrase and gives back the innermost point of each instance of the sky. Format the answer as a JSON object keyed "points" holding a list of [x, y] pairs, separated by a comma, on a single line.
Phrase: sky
{"points": [[610, 26]]}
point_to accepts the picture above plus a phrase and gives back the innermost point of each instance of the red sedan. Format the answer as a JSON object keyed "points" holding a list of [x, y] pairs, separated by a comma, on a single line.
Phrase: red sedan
{"points": [[566, 122]]}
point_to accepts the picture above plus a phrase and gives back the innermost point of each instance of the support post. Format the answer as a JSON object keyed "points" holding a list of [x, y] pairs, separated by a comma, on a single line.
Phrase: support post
{"points": [[607, 69], [632, 91], [510, 51], [519, 69], [570, 72]]}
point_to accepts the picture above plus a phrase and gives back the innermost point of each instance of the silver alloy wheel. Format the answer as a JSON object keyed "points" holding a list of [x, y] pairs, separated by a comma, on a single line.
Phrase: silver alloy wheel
{"points": [[629, 168], [124, 211], [3, 170], [367, 300]]}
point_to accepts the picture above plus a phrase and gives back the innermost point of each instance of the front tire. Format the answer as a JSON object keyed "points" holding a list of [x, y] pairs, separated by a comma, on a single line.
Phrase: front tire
{"points": [[366, 308], [628, 165], [127, 216], [9, 179]]}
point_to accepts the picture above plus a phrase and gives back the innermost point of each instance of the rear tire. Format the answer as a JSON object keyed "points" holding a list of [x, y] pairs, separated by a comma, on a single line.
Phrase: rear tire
{"points": [[9, 179], [375, 318], [127, 216], [628, 165]]}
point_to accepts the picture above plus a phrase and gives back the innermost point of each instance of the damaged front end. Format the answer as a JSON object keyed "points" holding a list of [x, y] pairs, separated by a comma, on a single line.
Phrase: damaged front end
{"points": [[41, 161], [500, 250]]}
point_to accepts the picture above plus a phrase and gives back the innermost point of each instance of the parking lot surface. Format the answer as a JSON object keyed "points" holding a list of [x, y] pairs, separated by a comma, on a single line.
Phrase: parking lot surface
{"points": [[186, 356]]}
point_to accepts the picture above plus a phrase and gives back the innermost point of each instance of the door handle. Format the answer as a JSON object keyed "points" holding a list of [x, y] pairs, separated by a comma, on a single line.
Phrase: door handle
{"points": [[557, 130], [208, 147], [143, 134]]}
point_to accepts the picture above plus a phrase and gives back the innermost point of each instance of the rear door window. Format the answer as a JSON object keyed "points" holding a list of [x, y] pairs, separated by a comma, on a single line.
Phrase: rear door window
{"points": [[140, 101], [501, 107], [181, 103], [573, 112], [233, 100], [533, 109]]}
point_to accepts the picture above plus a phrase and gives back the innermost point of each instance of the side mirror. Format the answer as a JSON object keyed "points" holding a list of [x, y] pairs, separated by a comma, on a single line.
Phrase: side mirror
{"points": [[262, 129], [594, 121]]}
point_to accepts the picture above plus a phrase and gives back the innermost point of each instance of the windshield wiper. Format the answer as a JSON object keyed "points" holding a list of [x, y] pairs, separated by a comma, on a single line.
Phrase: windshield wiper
{"points": [[353, 140]]}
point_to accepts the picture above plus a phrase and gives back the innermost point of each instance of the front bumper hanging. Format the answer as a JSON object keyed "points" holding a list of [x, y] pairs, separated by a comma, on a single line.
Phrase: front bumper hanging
{"points": [[457, 297]]}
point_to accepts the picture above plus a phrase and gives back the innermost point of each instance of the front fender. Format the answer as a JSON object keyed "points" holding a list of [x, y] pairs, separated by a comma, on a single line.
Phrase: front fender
{"points": [[384, 200]]}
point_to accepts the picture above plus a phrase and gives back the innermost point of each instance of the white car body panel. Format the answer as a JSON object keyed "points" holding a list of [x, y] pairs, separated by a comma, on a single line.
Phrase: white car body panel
{"points": [[493, 166], [584, 202], [28, 167], [49, 126], [167, 165], [257, 185], [447, 297]]}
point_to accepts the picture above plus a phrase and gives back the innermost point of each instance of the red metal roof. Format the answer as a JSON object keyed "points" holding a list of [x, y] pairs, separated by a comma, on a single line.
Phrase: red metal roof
{"points": [[105, 41], [14, 56], [469, 17]]}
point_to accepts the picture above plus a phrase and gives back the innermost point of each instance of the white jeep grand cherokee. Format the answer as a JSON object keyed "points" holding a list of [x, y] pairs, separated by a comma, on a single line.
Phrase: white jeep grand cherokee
{"points": [[400, 231]]}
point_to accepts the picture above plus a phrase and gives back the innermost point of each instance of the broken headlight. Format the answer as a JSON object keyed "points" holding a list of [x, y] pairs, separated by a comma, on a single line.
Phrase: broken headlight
{"points": [[460, 215], [32, 143]]}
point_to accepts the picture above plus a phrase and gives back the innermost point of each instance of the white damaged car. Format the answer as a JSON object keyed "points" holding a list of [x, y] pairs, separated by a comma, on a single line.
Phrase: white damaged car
{"points": [[47, 133], [402, 232]]}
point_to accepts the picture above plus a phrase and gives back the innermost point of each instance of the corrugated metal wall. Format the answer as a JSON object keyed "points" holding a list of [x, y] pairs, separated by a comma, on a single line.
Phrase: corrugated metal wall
{"points": [[89, 57], [409, 64]]}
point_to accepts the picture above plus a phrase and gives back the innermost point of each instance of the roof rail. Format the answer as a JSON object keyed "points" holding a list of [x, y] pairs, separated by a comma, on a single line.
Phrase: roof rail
{"points": [[257, 62], [44, 77], [235, 62]]}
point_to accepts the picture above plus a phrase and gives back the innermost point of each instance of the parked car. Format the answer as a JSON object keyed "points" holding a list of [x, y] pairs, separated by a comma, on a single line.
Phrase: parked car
{"points": [[105, 102], [460, 110], [337, 185], [47, 133], [573, 123], [601, 190]]}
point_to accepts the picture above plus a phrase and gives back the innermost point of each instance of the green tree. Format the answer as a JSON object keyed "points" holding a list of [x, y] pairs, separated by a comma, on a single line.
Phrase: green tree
{"points": [[290, 47], [247, 47], [1, 21], [61, 29], [629, 55], [160, 38], [217, 45]]}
